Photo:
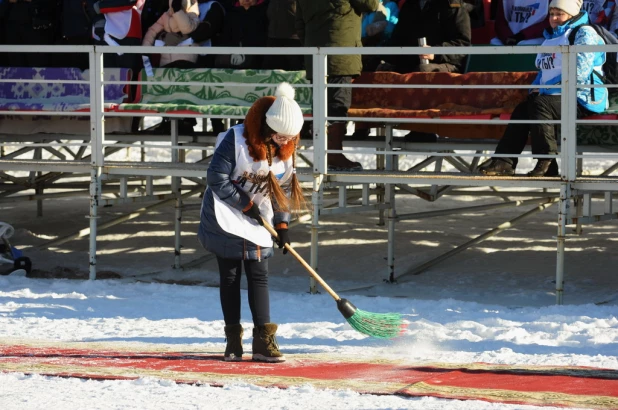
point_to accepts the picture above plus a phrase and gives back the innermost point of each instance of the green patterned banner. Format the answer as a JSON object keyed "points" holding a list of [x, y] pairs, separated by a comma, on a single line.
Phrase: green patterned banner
{"points": [[233, 97]]}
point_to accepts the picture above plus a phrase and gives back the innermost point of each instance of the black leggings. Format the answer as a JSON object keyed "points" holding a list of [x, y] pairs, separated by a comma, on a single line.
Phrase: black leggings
{"points": [[257, 280]]}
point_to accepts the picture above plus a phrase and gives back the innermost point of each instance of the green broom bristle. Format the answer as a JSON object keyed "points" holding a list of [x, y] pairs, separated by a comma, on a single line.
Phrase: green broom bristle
{"points": [[380, 325]]}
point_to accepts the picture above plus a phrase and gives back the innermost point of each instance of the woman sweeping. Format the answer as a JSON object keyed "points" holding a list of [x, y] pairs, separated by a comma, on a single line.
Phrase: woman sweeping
{"points": [[252, 176]]}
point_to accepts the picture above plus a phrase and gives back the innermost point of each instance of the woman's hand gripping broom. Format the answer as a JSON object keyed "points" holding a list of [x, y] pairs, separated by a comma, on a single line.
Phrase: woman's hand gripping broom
{"points": [[380, 325]]}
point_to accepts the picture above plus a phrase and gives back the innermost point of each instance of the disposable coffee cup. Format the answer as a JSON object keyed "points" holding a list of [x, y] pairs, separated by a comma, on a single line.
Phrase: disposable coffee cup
{"points": [[423, 42]]}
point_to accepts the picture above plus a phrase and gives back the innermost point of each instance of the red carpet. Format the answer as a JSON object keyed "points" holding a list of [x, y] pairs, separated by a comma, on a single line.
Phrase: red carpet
{"points": [[539, 385]]}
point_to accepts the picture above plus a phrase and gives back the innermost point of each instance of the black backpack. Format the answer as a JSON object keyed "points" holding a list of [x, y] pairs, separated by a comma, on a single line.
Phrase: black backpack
{"points": [[610, 67]]}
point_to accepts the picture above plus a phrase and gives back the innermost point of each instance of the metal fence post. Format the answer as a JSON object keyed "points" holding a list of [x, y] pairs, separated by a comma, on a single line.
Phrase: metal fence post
{"points": [[95, 192], [568, 136], [97, 132], [563, 213], [319, 152], [175, 154], [97, 100], [568, 116]]}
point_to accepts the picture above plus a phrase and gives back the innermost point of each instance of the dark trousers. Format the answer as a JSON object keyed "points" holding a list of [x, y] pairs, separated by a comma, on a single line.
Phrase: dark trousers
{"points": [[338, 100], [287, 62], [542, 136], [229, 292], [4, 58], [18, 33], [78, 60]]}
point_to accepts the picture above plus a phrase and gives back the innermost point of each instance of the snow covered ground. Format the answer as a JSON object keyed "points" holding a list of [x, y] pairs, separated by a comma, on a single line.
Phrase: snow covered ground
{"points": [[493, 303], [187, 318]]}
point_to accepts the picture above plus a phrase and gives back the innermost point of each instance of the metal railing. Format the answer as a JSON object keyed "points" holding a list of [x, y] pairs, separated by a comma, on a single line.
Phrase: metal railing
{"points": [[568, 154]]}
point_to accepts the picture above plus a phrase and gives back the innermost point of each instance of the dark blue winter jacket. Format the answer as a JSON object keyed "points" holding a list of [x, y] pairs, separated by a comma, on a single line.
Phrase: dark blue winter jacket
{"points": [[212, 237]]}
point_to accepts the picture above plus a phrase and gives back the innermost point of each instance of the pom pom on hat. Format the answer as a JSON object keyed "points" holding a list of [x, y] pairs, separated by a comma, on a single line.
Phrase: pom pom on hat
{"points": [[285, 116], [571, 7], [285, 90]]}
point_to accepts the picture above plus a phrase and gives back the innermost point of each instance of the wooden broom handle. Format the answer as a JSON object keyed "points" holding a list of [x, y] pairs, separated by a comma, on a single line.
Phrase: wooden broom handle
{"points": [[299, 258]]}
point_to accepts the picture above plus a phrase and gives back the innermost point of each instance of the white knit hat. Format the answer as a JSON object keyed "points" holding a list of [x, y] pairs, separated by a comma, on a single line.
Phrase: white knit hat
{"points": [[571, 7], [285, 116]]}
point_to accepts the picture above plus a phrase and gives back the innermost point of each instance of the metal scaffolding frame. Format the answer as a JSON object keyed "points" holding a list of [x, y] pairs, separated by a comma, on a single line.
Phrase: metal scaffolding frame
{"points": [[388, 179]]}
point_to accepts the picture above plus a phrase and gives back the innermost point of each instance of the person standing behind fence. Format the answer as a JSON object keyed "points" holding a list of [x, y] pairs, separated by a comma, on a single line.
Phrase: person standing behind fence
{"points": [[30, 23], [172, 29], [208, 34], [246, 25], [377, 28], [75, 29], [603, 13], [443, 23], [252, 176], [212, 16], [322, 23], [600, 12], [117, 23], [282, 33], [544, 103], [520, 22], [3, 8], [151, 12]]}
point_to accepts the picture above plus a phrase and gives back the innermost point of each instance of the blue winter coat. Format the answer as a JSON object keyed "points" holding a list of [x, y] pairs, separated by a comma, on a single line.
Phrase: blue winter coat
{"points": [[585, 65], [212, 237]]}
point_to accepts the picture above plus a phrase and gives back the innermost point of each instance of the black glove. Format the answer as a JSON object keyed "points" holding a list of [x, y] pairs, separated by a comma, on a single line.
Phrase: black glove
{"points": [[176, 5], [283, 239], [515, 39], [254, 212]]}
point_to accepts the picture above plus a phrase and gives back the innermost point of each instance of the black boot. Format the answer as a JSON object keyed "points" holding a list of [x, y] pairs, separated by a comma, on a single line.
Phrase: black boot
{"points": [[553, 169], [498, 167], [233, 348], [545, 168], [265, 346]]}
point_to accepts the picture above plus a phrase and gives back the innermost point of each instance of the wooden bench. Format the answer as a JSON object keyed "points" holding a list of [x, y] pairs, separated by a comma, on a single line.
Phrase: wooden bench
{"points": [[234, 100], [462, 104], [445, 103]]}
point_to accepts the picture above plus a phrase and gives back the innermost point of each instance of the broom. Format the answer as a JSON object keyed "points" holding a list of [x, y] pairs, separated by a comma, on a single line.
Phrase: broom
{"points": [[380, 325]]}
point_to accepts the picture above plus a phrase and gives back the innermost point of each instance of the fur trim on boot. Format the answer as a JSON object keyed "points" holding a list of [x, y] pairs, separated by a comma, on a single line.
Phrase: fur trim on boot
{"points": [[265, 346], [233, 348]]}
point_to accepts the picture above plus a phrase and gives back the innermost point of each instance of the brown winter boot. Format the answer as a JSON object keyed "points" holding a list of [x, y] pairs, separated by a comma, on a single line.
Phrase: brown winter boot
{"points": [[338, 162], [233, 348], [265, 347], [497, 167]]}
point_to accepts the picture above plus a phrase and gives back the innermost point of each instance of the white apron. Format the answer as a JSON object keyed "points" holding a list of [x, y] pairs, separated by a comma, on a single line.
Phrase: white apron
{"points": [[252, 178], [550, 64]]}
